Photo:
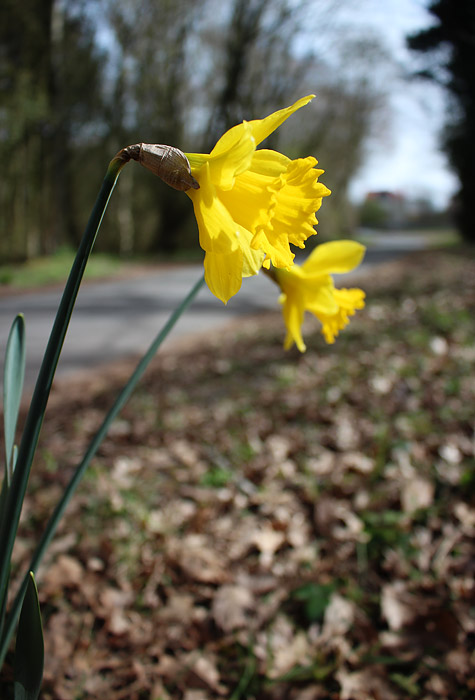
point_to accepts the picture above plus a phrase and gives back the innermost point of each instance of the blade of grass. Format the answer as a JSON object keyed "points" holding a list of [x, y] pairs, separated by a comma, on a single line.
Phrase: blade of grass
{"points": [[248, 674], [119, 403]]}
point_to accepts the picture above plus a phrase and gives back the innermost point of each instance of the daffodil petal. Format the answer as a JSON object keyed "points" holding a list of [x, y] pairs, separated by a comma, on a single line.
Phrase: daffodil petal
{"points": [[252, 260], [226, 242], [217, 228], [293, 313], [232, 156], [196, 161], [223, 273], [334, 257], [320, 298], [262, 128]]}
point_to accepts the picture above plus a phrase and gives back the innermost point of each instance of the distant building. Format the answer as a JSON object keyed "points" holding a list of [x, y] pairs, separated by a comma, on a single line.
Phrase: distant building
{"points": [[393, 210], [392, 207]]}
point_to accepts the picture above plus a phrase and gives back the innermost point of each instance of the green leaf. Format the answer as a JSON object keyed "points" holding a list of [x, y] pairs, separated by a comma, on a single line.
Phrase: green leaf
{"points": [[315, 598], [3, 594], [29, 652], [13, 375], [70, 489], [406, 683], [34, 419]]}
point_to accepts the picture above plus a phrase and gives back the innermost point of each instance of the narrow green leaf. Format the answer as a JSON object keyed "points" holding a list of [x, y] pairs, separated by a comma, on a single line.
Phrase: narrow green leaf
{"points": [[29, 440], [29, 651], [70, 489], [13, 375], [3, 497]]}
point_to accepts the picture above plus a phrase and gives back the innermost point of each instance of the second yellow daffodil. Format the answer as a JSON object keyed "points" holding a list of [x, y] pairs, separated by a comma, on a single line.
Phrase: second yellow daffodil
{"points": [[252, 204], [310, 287]]}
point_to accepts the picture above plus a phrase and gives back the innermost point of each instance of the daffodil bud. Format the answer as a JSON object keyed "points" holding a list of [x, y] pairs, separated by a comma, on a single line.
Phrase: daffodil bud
{"points": [[169, 164]]}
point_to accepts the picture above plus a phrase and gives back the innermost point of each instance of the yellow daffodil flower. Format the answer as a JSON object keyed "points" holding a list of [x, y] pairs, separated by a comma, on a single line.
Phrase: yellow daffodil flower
{"points": [[251, 204], [310, 287]]}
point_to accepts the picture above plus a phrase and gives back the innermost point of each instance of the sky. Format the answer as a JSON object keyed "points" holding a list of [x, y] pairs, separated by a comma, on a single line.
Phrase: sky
{"points": [[407, 157]]}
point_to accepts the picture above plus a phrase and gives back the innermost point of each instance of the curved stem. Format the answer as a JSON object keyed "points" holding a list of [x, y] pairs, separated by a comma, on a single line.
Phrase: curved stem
{"points": [[34, 419]]}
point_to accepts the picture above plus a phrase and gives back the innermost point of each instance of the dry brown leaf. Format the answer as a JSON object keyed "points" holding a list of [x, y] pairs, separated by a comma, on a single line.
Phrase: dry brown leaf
{"points": [[442, 558], [65, 572], [112, 605], [171, 516], [295, 653], [460, 662], [358, 461], [438, 685], [232, 607], [194, 694], [338, 617], [369, 684], [347, 436], [185, 452], [158, 690], [466, 516], [298, 531], [59, 545], [204, 667], [312, 692], [417, 493], [382, 383], [336, 517], [267, 541], [168, 667], [283, 647], [279, 447], [115, 598], [322, 465], [198, 559], [397, 605], [123, 472], [118, 623], [59, 644], [179, 608]]}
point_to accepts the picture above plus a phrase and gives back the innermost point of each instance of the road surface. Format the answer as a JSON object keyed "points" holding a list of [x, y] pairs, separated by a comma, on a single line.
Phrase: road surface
{"points": [[119, 318]]}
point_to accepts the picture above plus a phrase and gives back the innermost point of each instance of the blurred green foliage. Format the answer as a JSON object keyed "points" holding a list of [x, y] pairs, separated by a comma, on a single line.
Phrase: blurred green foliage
{"points": [[80, 80]]}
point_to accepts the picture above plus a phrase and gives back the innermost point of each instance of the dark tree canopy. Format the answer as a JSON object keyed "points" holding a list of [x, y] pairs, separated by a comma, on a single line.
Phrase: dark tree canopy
{"points": [[450, 46]]}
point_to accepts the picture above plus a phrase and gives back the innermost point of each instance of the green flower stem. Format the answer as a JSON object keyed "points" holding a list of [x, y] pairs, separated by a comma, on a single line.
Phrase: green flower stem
{"points": [[119, 403], [31, 431]]}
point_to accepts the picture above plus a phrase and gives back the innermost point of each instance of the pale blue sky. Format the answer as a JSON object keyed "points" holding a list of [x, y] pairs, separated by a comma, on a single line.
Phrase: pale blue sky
{"points": [[407, 157]]}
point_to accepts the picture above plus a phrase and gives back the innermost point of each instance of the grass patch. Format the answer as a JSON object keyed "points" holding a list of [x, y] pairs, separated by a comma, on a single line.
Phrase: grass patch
{"points": [[54, 269]]}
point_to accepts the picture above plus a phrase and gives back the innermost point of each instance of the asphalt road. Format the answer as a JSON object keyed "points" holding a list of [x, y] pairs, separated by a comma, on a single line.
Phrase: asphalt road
{"points": [[119, 318]]}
